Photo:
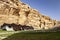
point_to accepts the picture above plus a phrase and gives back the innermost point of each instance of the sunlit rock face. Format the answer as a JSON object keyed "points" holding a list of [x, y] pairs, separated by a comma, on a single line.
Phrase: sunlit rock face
{"points": [[14, 11]]}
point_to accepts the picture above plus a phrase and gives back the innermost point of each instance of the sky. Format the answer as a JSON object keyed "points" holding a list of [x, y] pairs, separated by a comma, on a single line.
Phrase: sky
{"points": [[46, 7]]}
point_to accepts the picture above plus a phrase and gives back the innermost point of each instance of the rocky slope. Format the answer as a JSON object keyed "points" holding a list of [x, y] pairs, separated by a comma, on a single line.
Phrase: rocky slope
{"points": [[14, 11]]}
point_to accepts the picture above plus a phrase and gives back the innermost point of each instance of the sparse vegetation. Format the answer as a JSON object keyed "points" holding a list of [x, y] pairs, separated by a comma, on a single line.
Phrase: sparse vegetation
{"points": [[32, 35]]}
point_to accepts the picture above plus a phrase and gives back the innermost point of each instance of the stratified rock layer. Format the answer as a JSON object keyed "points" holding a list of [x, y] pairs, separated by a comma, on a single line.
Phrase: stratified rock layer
{"points": [[14, 11]]}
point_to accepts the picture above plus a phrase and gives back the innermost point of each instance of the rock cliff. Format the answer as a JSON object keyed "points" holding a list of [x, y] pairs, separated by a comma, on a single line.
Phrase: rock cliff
{"points": [[15, 11]]}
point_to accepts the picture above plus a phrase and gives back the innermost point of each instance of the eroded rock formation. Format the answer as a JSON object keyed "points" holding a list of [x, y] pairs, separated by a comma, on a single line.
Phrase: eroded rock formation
{"points": [[14, 11]]}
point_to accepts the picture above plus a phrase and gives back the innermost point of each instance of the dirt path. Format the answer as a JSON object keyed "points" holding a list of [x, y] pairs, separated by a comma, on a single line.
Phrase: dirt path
{"points": [[5, 34]]}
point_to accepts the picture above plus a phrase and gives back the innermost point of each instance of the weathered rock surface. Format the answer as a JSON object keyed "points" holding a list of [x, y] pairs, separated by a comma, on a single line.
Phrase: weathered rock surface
{"points": [[14, 11]]}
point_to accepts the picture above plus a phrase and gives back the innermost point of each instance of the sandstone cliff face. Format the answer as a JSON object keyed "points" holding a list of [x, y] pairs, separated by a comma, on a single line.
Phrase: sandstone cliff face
{"points": [[14, 11]]}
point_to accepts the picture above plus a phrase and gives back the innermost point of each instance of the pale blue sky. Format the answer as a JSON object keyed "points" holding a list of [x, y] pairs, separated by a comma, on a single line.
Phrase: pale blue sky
{"points": [[47, 7]]}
